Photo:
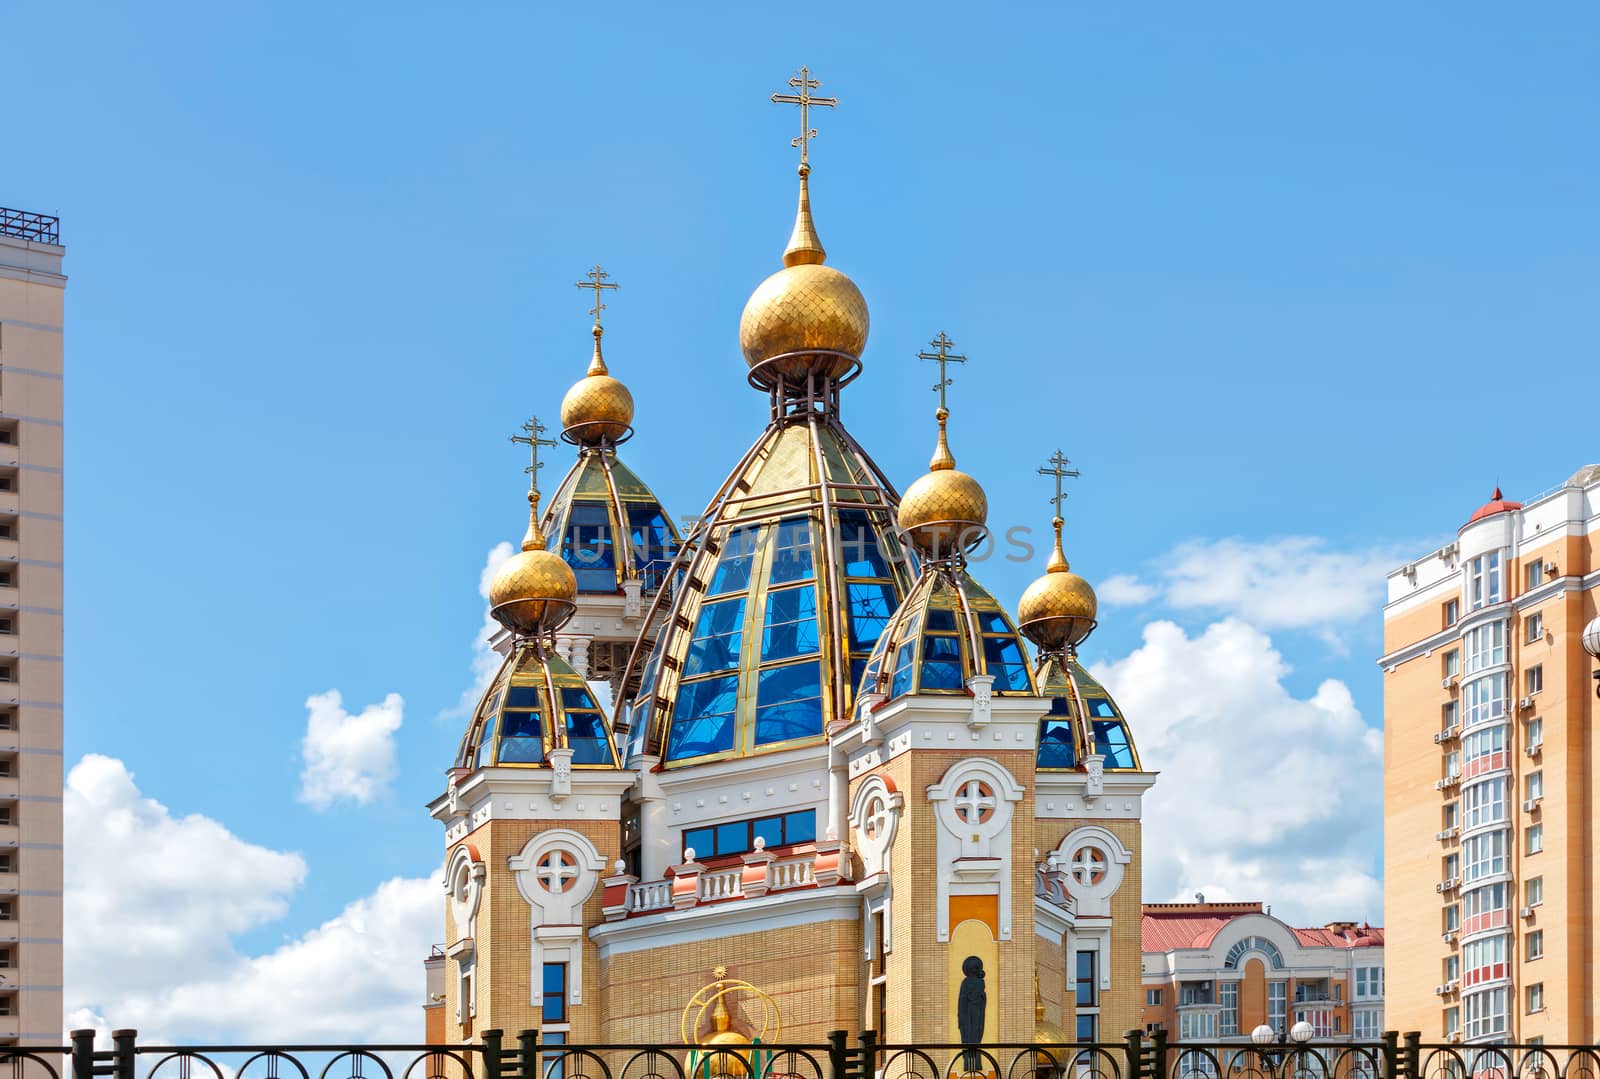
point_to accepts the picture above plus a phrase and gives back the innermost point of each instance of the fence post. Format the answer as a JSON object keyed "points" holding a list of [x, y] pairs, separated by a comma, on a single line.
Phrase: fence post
{"points": [[1391, 1055], [1413, 1054], [1158, 1053], [492, 1047], [123, 1041], [528, 1064], [83, 1054], [869, 1053], [1133, 1050], [838, 1055]]}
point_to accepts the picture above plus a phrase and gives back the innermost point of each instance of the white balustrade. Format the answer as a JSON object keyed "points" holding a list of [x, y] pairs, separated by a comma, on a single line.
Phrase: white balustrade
{"points": [[722, 884], [649, 895], [791, 873]]}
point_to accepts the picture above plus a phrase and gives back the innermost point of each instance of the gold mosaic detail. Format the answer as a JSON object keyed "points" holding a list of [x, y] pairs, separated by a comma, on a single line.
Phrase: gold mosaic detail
{"points": [[801, 308], [597, 408]]}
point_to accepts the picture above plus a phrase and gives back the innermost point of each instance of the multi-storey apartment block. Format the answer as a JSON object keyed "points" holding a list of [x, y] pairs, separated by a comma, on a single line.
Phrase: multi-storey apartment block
{"points": [[1490, 837], [31, 291]]}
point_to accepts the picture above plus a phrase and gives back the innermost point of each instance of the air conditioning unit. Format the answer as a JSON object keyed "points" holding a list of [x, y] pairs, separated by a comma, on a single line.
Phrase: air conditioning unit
{"points": [[1441, 989], [1526, 912], [1525, 703], [1551, 570], [1533, 750], [1531, 804], [1445, 834], [1453, 1036], [1439, 887], [1449, 936], [1450, 683], [1450, 986]]}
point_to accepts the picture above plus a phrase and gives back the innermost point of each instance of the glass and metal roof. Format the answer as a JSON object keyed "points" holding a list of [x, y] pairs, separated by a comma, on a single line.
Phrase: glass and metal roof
{"points": [[795, 571], [1082, 719], [948, 629], [536, 703], [608, 526]]}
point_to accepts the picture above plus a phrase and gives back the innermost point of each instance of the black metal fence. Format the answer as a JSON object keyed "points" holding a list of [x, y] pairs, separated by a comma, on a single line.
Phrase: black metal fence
{"points": [[28, 226], [528, 1055]]}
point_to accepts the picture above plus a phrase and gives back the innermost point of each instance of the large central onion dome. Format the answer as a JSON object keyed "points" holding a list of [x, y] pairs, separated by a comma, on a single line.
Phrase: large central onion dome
{"points": [[598, 410], [807, 317], [1057, 612], [944, 512], [535, 591]]}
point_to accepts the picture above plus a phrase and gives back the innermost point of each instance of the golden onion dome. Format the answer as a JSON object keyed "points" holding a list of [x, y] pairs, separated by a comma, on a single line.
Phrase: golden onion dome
{"points": [[1044, 1031], [534, 591], [945, 511], [1058, 610], [598, 410], [808, 313]]}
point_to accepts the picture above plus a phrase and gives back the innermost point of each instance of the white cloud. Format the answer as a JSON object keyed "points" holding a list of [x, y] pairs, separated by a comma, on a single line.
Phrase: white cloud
{"points": [[153, 903], [1262, 795], [1126, 590], [347, 757], [1292, 583], [485, 660]]}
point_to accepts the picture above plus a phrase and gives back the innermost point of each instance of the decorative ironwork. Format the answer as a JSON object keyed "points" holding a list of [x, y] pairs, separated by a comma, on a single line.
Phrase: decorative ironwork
{"points": [[527, 1056], [28, 226], [942, 355], [598, 281], [805, 84]]}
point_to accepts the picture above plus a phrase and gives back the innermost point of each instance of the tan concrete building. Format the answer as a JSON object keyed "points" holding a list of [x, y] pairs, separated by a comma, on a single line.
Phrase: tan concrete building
{"points": [[1214, 972], [835, 785], [31, 294], [1490, 838]]}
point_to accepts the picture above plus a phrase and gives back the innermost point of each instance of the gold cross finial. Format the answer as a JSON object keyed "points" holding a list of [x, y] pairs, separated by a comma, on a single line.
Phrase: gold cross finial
{"points": [[598, 279], [532, 440], [805, 84], [943, 357], [1057, 467]]}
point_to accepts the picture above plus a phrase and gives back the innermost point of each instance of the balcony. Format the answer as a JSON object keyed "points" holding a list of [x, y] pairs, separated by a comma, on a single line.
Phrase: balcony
{"points": [[41, 228], [757, 874], [10, 931], [10, 788], [9, 883]]}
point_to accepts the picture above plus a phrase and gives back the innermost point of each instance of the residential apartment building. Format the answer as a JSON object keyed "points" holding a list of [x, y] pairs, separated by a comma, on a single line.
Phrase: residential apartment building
{"points": [[1217, 971], [31, 294], [1489, 830]]}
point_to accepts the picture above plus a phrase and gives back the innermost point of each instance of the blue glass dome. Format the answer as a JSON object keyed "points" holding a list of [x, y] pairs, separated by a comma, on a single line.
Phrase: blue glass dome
{"points": [[1082, 719], [536, 703], [608, 526]]}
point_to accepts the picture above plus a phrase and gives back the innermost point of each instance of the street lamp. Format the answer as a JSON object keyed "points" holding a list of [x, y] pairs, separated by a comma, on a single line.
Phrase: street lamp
{"points": [[1300, 1033], [1263, 1035], [1591, 645]]}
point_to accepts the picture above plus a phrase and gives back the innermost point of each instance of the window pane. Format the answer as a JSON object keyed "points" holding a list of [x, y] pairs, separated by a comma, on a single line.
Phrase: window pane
{"points": [[1055, 744], [903, 662], [1003, 657], [587, 547], [704, 719], [859, 547], [1111, 741], [523, 697], [869, 604], [733, 837], [791, 625], [733, 568], [992, 622], [789, 703], [1100, 707], [555, 978], [941, 662], [520, 724], [717, 637], [800, 827], [700, 840], [521, 750], [769, 829], [941, 621], [578, 697], [651, 540], [791, 556], [485, 744], [586, 734]]}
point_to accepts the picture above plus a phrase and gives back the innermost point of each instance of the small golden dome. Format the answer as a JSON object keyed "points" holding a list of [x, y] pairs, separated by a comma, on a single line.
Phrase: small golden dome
{"points": [[598, 409], [1058, 610], [807, 312], [1044, 1031], [534, 592], [944, 512]]}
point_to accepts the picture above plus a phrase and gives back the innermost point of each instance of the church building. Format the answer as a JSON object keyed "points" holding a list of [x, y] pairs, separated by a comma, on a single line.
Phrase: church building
{"points": [[833, 770]]}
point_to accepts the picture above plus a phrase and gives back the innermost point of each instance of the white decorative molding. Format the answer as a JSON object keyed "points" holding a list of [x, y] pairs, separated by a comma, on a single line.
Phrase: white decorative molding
{"points": [[874, 819], [974, 803], [465, 873], [556, 872], [982, 687], [1094, 860]]}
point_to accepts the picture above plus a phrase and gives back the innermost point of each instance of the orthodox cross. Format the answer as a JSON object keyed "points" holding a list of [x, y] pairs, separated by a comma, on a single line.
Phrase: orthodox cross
{"points": [[557, 871], [805, 84], [597, 281], [532, 440], [1057, 467], [943, 357]]}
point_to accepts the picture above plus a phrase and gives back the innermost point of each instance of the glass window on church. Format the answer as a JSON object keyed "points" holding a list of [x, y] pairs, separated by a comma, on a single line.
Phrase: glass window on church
{"points": [[703, 722], [718, 633], [587, 548], [1055, 739], [586, 730], [1002, 657], [789, 703], [1088, 981], [1111, 742], [941, 653], [737, 837], [790, 629], [904, 662], [869, 603], [555, 993], [791, 555], [651, 539], [733, 568]]}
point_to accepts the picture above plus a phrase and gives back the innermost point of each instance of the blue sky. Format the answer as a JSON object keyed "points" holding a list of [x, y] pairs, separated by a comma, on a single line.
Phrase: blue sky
{"points": [[1263, 272]]}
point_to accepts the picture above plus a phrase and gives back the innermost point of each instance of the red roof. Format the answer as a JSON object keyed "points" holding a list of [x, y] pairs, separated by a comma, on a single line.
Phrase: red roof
{"points": [[1498, 503], [1170, 926]]}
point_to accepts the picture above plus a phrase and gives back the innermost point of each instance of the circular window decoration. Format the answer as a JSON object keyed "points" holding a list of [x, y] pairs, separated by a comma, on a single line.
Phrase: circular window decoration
{"points": [[975, 802], [1088, 866], [557, 871]]}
